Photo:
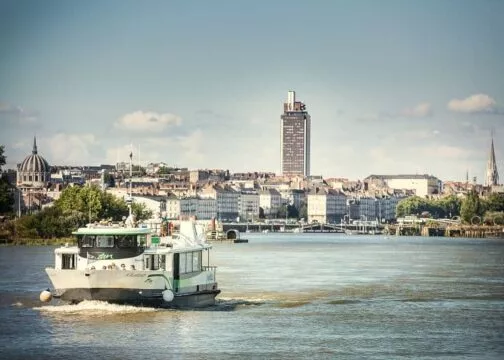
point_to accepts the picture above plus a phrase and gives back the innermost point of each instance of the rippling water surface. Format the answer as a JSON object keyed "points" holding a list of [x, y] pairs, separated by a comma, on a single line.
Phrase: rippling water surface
{"points": [[284, 296]]}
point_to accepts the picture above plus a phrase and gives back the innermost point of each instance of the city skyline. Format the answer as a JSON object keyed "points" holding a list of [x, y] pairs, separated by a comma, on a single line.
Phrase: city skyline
{"points": [[403, 87]]}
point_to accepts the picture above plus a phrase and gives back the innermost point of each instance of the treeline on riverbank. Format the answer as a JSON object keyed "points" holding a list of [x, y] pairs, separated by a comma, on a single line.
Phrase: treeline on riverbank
{"points": [[77, 206], [472, 209], [39, 241]]}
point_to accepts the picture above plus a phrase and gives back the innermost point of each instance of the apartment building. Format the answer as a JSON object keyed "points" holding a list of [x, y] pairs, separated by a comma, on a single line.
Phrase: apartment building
{"points": [[422, 185], [270, 201], [249, 205], [326, 205]]}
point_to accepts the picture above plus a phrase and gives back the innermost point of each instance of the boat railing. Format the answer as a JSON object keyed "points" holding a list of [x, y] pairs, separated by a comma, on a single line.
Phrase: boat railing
{"points": [[211, 269]]}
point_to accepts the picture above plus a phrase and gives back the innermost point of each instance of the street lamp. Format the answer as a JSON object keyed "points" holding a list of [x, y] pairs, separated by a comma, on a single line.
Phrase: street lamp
{"points": [[30, 201], [19, 203]]}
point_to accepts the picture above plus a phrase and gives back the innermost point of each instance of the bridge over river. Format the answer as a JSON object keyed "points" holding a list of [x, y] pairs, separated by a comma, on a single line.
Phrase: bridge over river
{"points": [[296, 227]]}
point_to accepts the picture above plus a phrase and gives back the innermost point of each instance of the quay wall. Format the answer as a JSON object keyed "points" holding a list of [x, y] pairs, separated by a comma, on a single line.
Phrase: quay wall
{"points": [[466, 231]]}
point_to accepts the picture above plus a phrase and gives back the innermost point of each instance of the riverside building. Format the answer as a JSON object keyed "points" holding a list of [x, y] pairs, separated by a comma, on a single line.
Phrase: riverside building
{"points": [[295, 129]]}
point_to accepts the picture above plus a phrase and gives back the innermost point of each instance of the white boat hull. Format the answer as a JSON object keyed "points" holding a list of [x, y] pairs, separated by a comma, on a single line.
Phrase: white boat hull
{"points": [[132, 287]]}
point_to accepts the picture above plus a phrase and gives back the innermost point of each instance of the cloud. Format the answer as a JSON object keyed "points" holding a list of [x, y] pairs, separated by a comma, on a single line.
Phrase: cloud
{"points": [[478, 103], [147, 121], [71, 149], [191, 145], [16, 114], [421, 110], [187, 150], [446, 152]]}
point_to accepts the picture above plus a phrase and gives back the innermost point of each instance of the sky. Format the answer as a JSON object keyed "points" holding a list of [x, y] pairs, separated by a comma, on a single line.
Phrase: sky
{"points": [[392, 86]]}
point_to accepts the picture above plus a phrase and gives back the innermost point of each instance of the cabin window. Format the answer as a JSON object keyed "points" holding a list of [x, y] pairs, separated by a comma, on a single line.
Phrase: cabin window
{"points": [[182, 263], [196, 260], [162, 262], [142, 240], [155, 262], [189, 262], [104, 241], [126, 241]]}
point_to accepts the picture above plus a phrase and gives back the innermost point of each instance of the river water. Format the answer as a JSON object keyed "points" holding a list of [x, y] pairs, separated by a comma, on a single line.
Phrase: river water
{"points": [[284, 296]]}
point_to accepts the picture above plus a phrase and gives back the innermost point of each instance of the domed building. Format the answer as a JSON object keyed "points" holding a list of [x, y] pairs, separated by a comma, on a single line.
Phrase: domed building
{"points": [[34, 171]]}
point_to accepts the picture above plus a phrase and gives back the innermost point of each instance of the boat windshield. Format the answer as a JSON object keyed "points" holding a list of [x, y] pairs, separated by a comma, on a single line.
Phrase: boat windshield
{"points": [[107, 241], [110, 246], [126, 241]]}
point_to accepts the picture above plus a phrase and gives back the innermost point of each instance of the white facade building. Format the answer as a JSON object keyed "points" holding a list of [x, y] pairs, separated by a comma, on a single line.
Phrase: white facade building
{"points": [[155, 204], [423, 185], [172, 207], [270, 201], [326, 206], [249, 205], [227, 201]]}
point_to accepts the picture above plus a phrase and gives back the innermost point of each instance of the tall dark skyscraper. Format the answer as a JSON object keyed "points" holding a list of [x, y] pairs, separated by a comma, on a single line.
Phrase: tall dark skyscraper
{"points": [[295, 137]]}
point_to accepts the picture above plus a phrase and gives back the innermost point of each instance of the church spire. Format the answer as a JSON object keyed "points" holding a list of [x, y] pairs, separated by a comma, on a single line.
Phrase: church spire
{"points": [[34, 151], [492, 176]]}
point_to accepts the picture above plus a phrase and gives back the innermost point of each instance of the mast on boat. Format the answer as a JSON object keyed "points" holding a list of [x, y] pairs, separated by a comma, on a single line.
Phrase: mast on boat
{"points": [[130, 199], [130, 221]]}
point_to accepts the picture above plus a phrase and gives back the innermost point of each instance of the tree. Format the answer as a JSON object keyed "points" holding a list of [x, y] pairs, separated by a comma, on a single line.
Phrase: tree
{"points": [[140, 211], [6, 193], [282, 212], [471, 207], [494, 202], [494, 218], [95, 204], [292, 212], [450, 205], [414, 205], [83, 199], [109, 180], [303, 211], [3, 159]]}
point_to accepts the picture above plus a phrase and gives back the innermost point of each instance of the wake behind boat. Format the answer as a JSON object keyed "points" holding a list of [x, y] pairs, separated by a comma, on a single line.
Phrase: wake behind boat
{"points": [[134, 265]]}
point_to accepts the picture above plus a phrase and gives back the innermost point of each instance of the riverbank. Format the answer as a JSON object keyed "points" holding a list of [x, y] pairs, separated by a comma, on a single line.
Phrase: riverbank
{"points": [[38, 242], [456, 230]]}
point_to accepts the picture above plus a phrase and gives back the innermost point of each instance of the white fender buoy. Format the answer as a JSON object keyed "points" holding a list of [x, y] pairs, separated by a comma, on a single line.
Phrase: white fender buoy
{"points": [[168, 295], [45, 296]]}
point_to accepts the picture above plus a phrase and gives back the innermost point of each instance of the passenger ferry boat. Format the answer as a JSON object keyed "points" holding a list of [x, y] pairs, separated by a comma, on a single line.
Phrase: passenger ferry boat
{"points": [[135, 265]]}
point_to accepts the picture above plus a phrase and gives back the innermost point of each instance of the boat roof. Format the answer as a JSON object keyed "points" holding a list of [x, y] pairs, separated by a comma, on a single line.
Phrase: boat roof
{"points": [[111, 231]]}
